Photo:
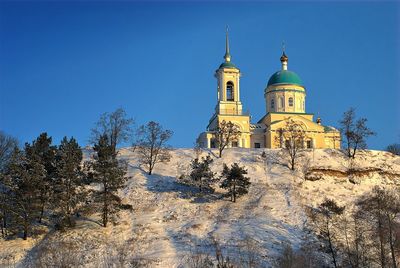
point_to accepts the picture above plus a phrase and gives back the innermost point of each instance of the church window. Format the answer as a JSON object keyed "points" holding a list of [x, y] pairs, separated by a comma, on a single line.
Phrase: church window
{"points": [[281, 103], [213, 144], [309, 144], [257, 145], [234, 144], [272, 104], [291, 102], [229, 91]]}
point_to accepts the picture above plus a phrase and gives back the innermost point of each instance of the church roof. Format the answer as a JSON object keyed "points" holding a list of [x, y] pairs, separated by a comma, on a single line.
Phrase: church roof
{"points": [[228, 65], [285, 77]]}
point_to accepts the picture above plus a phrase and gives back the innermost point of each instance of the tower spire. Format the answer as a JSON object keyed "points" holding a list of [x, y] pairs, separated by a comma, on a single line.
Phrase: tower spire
{"points": [[227, 56], [284, 58]]}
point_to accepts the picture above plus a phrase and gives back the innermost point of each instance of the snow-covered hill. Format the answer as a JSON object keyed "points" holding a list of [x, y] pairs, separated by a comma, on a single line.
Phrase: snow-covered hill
{"points": [[170, 221]]}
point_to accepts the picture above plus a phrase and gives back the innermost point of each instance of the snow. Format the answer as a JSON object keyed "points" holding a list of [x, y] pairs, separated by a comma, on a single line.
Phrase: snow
{"points": [[170, 220]]}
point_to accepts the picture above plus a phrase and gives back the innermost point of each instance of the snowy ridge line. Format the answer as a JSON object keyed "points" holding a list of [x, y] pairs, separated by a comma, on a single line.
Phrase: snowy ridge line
{"points": [[169, 221]]}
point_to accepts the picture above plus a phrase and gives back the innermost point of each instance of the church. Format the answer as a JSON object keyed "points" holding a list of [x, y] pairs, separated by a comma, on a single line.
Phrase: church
{"points": [[285, 99]]}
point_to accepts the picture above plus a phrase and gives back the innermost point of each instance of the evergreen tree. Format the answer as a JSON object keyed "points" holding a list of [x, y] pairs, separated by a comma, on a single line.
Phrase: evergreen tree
{"points": [[67, 192], [21, 179], [42, 149], [201, 174], [235, 181], [110, 174]]}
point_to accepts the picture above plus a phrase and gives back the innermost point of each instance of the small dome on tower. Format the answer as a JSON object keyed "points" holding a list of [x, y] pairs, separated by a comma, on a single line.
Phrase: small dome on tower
{"points": [[284, 57], [228, 64]]}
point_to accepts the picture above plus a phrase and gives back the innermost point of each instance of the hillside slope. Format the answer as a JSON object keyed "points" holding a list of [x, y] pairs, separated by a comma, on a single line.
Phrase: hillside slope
{"points": [[170, 220]]}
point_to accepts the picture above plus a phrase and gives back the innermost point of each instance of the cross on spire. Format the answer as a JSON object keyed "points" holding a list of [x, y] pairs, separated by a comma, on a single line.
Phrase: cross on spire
{"points": [[284, 58], [227, 56]]}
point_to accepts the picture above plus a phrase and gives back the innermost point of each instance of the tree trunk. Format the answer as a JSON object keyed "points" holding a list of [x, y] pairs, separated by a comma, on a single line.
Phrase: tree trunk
{"points": [[382, 249], [391, 242], [4, 224], [330, 245], [151, 164], [105, 208], [41, 213], [234, 192], [25, 237]]}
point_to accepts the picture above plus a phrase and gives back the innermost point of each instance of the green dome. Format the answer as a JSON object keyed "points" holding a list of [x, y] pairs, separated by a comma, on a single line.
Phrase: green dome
{"points": [[285, 77], [228, 65]]}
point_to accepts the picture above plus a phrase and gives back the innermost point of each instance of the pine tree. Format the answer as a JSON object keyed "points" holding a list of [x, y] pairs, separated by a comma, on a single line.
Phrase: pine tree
{"points": [[111, 175], [21, 179], [67, 191], [235, 181], [42, 149], [201, 174]]}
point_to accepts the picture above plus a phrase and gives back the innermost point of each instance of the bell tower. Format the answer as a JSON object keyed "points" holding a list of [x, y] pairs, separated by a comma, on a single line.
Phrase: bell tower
{"points": [[229, 107], [228, 85]]}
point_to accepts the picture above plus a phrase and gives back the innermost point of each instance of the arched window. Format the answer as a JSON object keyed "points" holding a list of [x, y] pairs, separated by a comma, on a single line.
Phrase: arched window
{"points": [[229, 91], [281, 102], [272, 104], [291, 102]]}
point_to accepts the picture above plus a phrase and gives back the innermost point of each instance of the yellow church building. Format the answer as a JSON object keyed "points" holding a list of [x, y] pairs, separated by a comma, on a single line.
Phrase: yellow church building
{"points": [[285, 99]]}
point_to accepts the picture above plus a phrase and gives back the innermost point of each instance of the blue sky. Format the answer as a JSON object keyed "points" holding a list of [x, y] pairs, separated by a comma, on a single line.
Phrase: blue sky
{"points": [[62, 64]]}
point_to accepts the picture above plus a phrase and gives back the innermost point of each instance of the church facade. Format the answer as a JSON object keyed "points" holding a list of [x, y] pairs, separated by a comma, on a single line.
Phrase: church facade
{"points": [[285, 99]]}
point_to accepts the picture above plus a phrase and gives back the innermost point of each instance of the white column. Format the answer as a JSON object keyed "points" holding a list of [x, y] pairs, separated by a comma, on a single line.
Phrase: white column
{"points": [[237, 86], [240, 143], [208, 142]]}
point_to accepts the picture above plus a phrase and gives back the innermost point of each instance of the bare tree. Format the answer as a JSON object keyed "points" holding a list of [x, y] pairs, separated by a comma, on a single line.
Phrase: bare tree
{"points": [[291, 139], [197, 148], [116, 126], [355, 132], [152, 144], [382, 209], [326, 218], [226, 133], [394, 148], [7, 145]]}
